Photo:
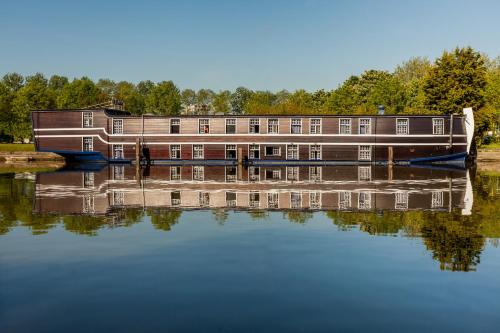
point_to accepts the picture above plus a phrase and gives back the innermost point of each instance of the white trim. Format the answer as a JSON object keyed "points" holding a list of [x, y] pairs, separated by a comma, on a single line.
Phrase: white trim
{"points": [[113, 125], [350, 126], [320, 152], [202, 151], [249, 124], [267, 129], [170, 151], [359, 126], [272, 146], [433, 120], [235, 125], [407, 126], [209, 125], [301, 123], [225, 151], [83, 119], [83, 144], [320, 126]]}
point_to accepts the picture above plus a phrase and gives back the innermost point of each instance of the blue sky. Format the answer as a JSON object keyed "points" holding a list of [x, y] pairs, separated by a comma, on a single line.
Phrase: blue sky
{"points": [[273, 45]]}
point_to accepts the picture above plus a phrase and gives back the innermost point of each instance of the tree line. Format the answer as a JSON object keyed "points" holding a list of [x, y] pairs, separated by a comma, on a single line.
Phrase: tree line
{"points": [[459, 78]]}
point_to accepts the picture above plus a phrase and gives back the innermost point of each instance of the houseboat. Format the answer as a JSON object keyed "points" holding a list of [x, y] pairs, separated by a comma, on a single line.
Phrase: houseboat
{"points": [[117, 136]]}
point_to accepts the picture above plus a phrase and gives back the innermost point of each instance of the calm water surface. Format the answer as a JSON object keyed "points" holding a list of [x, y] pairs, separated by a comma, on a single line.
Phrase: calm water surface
{"points": [[219, 250]]}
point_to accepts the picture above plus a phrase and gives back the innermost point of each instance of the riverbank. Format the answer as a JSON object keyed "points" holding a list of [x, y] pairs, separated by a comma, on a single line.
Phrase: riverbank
{"points": [[29, 161], [488, 159]]}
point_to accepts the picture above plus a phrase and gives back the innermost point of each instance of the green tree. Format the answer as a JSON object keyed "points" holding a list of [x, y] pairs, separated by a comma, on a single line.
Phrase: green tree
{"points": [[79, 93], [411, 74], [57, 83], [188, 97], [13, 81], [457, 80], [6, 115], [221, 102], [128, 93], [164, 98], [239, 100], [107, 88]]}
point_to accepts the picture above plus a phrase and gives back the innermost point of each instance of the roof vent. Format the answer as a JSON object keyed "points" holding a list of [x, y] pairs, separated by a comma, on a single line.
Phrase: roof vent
{"points": [[381, 110]]}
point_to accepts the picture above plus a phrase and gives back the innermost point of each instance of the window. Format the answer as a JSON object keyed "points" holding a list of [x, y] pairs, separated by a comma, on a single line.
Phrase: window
{"points": [[88, 204], [315, 173], [402, 126], [230, 126], [273, 151], [272, 200], [175, 198], [401, 200], [437, 199], [272, 174], [254, 200], [365, 200], [118, 172], [438, 126], [254, 125], [231, 152], [295, 200], [204, 126], [272, 126], [204, 199], [88, 120], [231, 174], [88, 144], [365, 126], [118, 198], [365, 153], [292, 152], [117, 126], [315, 200], [254, 173], [118, 152], [296, 126], [345, 126], [315, 152], [175, 126], [231, 199], [88, 179], [175, 151], [292, 173], [315, 127], [364, 173], [175, 173], [198, 151], [254, 151], [344, 200], [198, 172]]}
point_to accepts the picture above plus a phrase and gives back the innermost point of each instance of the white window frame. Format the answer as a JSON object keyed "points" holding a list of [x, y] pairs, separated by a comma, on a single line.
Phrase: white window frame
{"points": [[88, 203], [288, 152], [226, 124], [320, 152], [344, 200], [273, 200], [200, 124], [177, 175], [91, 146], [294, 204], [315, 200], [174, 202], [88, 179], [366, 204], [361, 156], [365, 173], [204, 199], [318, 176], [118, 197], [230, 178], [311, 126], [172, 124], [232, 202], [171, 150], [272, 146], [435, 126], [252, 150], [401, 200], [196, 150], [256, 124], [407, 126], [198, 172], [369, 126], [115, 129], [437, 199], [275, 174], [118, 172], [253, 178], [235, 150], [115, 148], [277, 126], [90, 123], [252, 203], [299, 120], [295, 172], [349, 120]]}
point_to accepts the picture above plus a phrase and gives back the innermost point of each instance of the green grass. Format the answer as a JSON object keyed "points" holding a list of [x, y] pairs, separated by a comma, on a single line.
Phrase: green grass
{"points": [[10, 147], [491, 145]]}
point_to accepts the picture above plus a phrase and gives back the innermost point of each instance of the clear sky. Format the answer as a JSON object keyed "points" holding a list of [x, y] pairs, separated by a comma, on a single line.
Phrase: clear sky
{"points": [[224, 44]]}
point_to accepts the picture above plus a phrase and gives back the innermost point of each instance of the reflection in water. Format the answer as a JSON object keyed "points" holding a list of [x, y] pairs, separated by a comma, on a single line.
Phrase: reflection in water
{"points": [[434, 204]]}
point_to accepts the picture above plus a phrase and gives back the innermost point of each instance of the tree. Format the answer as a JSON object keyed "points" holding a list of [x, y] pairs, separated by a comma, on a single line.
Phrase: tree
{"points": [[79, 93], [411, 74], [108, 89], [57, 83], [260, 102], [164, 98], [239, 100], [457, 80], [221, 102], [188, 97], [6, 115], [13, 81], [127, 92], [205, 97], [145, 87]]}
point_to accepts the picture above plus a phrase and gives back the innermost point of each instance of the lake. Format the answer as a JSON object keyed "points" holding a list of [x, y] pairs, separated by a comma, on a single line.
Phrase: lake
{"points": [[268, 249]]}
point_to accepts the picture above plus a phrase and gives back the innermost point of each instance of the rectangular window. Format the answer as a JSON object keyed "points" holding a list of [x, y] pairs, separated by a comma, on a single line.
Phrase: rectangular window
{"points": [[315, 200], [118, 152], [117, 126], [254, 125], [437, 199], [402, 126], [198, 151], [231, 199], [365, 153], [315, 173], [230, 126], [88, 119], [273, 151], [88, 204], [272, 126], [272, 200], [401, 200], [344, 200], [345, 126], [88, 144], [364, 173], [254, 173], [254, 200], [315, 127], [438, 126], [118, 172], [231, 152], [292, 152], [118, 198], [204, 199], [315, 152], [175, 151], [204, 126], [175, 173], [365, 126], [365, 200], [292, 173], [295, 200], [296, 126], [272, 174], [198, 172], [88, 179], [254, 151], [175, 126], [175, 198], [231, 174]]}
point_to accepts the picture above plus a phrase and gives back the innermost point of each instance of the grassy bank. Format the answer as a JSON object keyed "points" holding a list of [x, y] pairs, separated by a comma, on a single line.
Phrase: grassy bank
{"points": [[11, 147]]}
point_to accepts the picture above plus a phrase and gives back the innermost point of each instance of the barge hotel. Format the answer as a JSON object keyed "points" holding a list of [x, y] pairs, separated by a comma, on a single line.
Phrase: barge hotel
{"points": [[117, 136]]}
